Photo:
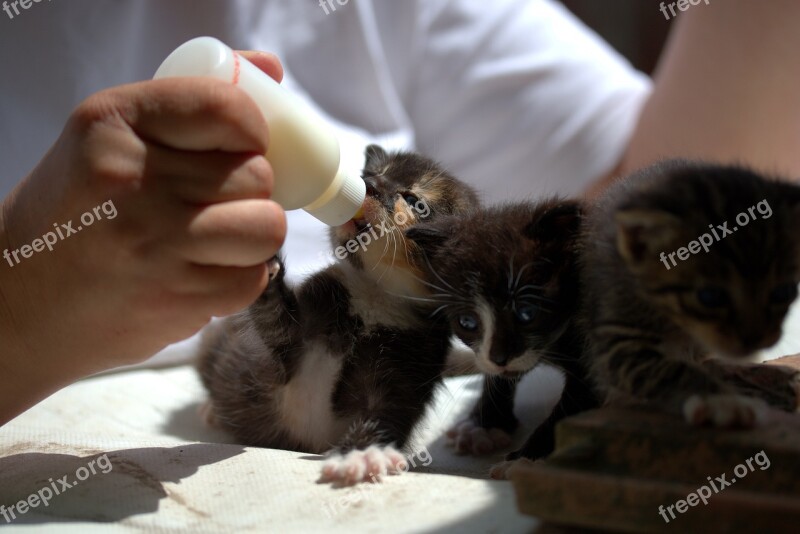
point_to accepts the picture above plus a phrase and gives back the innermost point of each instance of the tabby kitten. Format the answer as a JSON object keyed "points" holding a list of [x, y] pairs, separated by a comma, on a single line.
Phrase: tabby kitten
{"points": [[506, 280], [669, 319], [347, 361]]}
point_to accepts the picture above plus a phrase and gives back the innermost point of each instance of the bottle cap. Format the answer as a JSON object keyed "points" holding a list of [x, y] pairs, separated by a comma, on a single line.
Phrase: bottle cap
{"points": [[342, 200]]}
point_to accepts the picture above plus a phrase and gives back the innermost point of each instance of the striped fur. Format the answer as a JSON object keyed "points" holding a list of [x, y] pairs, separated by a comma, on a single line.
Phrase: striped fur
{"points": [[651, 328]]}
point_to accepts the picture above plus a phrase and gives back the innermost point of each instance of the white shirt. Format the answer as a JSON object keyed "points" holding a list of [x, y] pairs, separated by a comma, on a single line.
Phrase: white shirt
{"points": [[515, 97]]}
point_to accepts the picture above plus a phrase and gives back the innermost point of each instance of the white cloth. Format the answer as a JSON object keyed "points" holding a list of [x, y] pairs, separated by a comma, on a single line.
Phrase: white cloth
{"points": [[514, 96], [169, 473]]}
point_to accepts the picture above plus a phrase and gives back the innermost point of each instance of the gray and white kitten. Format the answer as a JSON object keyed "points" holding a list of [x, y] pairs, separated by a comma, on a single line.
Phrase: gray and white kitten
{"points": [[347, 361]]}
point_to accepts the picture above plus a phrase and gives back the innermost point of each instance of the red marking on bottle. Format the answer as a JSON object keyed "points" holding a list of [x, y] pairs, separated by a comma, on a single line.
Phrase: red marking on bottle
{"points": [[237, 67]]}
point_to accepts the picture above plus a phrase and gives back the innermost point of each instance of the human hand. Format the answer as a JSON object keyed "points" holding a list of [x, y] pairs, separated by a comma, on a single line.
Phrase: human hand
{"points": [[181, 161]]}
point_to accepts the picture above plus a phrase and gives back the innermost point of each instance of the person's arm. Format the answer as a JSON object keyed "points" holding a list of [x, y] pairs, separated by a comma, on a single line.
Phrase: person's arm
{"points": [[181, 162], [727, 89]]}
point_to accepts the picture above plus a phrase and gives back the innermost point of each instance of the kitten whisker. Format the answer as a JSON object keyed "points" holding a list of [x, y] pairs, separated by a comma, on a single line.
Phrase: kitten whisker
{"points": [[511, 272], [519, 276], [436, 274]]}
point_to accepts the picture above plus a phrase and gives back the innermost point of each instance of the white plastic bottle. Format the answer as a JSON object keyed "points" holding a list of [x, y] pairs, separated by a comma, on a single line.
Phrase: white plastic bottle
{"points": [[303, 150]]}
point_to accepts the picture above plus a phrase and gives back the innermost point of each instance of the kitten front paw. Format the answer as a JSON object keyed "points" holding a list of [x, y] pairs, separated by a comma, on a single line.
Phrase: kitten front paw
{"points": [[725, 411], [785, 385], [467, 437], [500, 471], [369, 465], [274, 267], [778, 385]]}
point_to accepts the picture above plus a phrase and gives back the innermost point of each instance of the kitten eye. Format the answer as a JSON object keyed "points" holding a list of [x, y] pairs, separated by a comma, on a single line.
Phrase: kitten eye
{"points": [[783, 294], [410, 199], [712, 297], [468, 322], [526, 314]]}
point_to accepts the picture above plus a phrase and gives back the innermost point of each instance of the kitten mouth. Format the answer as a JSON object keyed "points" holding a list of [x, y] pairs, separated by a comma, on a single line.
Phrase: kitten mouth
{"points": [[360, 225]]}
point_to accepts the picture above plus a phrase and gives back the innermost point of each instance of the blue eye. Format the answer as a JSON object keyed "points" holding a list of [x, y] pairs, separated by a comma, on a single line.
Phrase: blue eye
{"points": [[712, 297], [468, 322], [526, 314]]}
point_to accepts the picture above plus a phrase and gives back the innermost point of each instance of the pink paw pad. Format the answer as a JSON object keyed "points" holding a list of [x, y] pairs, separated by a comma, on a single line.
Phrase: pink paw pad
{"points": [[469, 438], [725, 411], [501, 471], [273, 267], [369, 465]]}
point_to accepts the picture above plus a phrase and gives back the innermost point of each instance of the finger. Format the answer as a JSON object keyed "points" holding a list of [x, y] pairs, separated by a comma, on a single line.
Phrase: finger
{"points": [[210, 177], [183, 113], [240, 233], [224, 290], [265, 61]]}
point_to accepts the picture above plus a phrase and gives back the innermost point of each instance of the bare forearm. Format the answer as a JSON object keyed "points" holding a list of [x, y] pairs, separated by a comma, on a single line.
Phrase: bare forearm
{"points": [[726, 89]]}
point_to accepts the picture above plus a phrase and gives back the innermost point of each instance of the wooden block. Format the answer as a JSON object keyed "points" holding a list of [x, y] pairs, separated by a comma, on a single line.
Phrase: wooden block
{"points": [[614, 468]]}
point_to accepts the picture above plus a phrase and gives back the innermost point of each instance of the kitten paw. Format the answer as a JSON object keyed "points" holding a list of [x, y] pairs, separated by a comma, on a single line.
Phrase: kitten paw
{"points": [[725, 411], [777, 384], [369, 465], [467, 437], [500, 471], [273, 267]]}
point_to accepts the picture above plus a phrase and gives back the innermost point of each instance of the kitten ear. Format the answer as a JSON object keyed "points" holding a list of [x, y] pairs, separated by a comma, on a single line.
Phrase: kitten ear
{"points": [[642, 235], [430, 237], [374, 155], [561, 220]]}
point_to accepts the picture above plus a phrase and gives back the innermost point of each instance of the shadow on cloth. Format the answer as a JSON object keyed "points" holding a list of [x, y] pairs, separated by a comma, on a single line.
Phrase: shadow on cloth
{"points": [[125, 482]]}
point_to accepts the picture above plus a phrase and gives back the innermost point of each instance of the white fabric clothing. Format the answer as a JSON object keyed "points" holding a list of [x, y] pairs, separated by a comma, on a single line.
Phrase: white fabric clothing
{"points": [[515, 97]]}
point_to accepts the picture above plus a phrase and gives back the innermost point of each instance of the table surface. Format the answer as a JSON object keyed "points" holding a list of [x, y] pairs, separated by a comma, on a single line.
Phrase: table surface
{"points": [[172, 474]]}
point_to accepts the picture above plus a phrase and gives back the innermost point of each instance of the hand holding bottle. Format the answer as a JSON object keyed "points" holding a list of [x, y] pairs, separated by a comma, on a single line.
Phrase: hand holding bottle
{"points": [[183, 162]]}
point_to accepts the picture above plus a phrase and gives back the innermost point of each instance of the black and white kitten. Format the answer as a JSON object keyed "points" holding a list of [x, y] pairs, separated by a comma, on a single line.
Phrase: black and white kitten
{"points": [[689, 269], [347, 362], [506, 279]]}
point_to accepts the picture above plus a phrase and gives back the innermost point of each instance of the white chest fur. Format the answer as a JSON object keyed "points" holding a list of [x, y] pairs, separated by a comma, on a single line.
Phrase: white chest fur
{"points": [[386, 300], [305, 402]]}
